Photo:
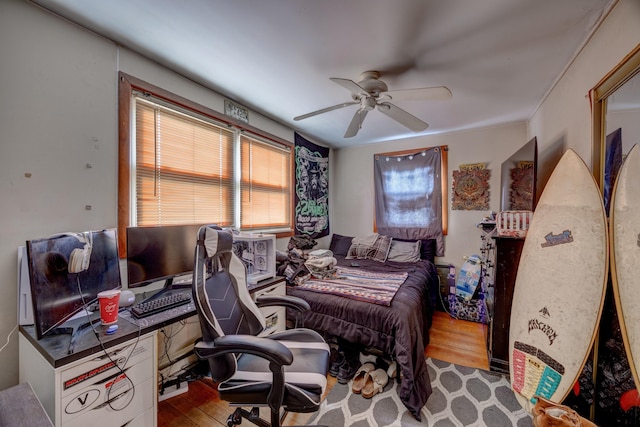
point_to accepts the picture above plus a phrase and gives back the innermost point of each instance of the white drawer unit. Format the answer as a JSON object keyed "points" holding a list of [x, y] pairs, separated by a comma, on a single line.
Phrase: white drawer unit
{"points": [[115, 388], [275, 317]]}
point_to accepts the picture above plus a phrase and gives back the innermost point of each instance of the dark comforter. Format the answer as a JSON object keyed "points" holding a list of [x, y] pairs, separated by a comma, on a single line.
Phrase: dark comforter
{"points": [[400, 330]]}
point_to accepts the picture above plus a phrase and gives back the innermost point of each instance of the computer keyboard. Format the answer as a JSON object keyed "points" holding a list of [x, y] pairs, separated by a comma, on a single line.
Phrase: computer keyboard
{"points": [[147, 308]]}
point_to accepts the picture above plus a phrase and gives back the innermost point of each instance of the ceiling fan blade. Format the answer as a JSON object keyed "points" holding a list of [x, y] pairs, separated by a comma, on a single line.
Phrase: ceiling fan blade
{"points": [[350, 85], [426, 93], [402, 117], [324, 110], [356, 123]]}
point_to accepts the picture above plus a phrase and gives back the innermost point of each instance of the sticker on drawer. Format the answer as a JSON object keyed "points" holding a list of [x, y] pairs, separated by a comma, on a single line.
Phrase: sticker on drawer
{"points": [[114, 393], [99, 367]]}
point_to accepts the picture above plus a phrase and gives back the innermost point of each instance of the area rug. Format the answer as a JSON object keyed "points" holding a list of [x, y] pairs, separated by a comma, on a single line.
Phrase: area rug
{"points": [[461, 397]]}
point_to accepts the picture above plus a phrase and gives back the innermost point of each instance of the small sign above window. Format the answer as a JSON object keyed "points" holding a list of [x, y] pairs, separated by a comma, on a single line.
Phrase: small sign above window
{"points": [[237, 112]]}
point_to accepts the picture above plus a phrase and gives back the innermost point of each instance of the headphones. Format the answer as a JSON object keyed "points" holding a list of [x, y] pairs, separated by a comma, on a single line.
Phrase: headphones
{"points": [[79, 258]]}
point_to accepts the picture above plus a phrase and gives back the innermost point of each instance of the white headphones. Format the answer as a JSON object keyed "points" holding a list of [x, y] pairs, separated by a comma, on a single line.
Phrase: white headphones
{"points": [[79, 258]]}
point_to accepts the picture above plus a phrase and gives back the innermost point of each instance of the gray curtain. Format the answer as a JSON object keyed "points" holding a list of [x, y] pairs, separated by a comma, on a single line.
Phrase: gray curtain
{"points": [[408, 196]]}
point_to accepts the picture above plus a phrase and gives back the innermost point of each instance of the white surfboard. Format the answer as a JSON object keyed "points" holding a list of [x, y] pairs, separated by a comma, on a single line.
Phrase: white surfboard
{"points": [[560, 285], [625, 255]]}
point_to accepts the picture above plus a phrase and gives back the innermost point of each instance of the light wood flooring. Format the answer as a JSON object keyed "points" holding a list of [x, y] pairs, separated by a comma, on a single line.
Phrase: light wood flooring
{"points": [[452, 340]]}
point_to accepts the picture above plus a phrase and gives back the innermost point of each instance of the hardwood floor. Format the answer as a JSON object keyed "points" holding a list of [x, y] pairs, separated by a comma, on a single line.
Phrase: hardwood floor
{"points": [[452, 340], [457, 341]]}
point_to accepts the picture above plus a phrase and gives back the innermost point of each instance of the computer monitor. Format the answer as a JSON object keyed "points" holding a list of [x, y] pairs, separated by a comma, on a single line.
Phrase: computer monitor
{"points": [[156, 253], [66, 273]]}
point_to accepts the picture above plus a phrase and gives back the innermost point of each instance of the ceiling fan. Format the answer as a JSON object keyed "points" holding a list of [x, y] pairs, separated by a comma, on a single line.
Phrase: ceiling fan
{"points": [[371, 92]]}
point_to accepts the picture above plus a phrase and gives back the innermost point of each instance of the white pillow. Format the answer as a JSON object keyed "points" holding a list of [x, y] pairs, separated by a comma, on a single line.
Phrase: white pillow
{"points": [[404, 251]]}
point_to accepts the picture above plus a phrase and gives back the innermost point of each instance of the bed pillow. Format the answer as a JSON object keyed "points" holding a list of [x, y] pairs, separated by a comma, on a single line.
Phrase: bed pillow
{"points": [[368, 248], [428, 248], [340, 244], [404, 251]]}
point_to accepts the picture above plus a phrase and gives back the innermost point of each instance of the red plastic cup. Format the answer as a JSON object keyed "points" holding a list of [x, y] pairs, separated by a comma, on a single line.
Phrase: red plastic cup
{"points": [[109, 302]]}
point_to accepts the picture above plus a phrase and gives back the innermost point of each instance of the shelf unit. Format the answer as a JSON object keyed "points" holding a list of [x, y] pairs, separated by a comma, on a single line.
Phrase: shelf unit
{"points": [[501, 256]]}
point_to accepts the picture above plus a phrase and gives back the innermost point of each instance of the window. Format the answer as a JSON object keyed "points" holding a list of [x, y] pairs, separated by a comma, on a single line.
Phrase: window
{"points": [[410, 187], [181, 163], [265, 184], [183, 168]]}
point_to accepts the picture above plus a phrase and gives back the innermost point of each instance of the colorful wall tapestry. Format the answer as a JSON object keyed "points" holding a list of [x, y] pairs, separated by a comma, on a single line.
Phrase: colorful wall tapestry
{"points": [[522, 177], [312, 188], [471, 188]]}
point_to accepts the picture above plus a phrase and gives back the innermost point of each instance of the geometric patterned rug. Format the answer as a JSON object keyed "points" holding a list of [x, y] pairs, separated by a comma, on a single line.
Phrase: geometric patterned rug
{"points": [[461, 397]]}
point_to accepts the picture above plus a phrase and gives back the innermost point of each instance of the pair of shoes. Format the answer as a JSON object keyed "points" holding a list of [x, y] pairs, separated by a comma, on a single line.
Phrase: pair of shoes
{"points": [[550, 414], [374, 383], [362, 374], [348, 368]]}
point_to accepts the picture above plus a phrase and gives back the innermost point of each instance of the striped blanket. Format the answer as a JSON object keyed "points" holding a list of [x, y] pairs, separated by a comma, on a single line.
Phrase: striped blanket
{"points": [[358, 284]]}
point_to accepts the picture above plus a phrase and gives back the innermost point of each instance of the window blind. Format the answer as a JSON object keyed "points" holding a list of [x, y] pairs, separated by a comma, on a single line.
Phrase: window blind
{"points": [[184, 168], [265, 185]]}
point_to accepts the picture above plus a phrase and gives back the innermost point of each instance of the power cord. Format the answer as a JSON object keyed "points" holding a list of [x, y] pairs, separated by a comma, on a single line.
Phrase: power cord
{"points": [[9, 337], [172, 377], [122, 373], [444, 305]]}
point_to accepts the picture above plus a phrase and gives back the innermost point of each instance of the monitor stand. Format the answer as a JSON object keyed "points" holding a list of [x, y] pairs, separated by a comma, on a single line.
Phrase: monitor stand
{"points": [[81, 329]]}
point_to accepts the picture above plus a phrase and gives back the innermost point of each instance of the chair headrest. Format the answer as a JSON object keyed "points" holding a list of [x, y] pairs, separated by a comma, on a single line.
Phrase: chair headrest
{"points": [[217, 241]]}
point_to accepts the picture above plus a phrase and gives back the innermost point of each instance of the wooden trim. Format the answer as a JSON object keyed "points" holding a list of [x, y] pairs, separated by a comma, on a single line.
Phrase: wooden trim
{"points": [[156, 91], [124, 162], [126, 85], [612, 81], [444, 176]]}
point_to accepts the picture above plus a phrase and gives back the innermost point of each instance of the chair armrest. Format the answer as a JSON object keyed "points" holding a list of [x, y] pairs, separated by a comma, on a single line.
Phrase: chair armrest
{"points": [[266, 348], [282, 301]]}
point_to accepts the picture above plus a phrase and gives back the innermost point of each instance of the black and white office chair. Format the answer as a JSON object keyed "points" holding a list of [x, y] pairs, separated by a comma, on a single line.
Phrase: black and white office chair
{"points": [[286, 371]]}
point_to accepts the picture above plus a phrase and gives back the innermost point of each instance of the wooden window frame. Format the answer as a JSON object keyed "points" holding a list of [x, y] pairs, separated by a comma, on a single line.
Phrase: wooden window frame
{"points": [[126, 85]]}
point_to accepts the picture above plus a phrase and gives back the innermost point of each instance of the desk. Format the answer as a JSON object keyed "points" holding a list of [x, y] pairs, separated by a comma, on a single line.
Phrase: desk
{"points": [[73, 387]]}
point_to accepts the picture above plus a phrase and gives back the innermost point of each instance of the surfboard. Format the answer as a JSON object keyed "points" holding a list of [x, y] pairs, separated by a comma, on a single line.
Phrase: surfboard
{"points": [[625, 255], [560, 285]]}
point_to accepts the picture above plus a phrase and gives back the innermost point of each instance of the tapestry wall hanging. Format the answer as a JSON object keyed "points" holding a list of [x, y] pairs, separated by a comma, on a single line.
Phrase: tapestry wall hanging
{"points": [[522, 186], [311, 214], [471, 188]]}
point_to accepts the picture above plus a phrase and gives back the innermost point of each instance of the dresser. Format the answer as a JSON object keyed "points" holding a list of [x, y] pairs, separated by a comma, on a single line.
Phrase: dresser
{"points": [[501, 256]]}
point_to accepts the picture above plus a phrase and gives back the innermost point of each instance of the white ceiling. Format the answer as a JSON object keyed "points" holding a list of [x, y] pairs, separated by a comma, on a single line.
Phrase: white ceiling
{"points": [[498, 57]]}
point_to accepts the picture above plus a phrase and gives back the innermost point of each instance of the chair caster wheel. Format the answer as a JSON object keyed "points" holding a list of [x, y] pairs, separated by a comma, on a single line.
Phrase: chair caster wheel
{"points": [[234, 419]]}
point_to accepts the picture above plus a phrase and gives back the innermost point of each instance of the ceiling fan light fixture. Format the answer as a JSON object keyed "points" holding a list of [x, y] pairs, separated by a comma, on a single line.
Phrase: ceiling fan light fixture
{"points": [[371, 92]]}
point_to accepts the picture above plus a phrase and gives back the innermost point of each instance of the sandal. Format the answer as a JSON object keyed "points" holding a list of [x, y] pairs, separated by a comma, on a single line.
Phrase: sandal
{"points": [[393, 369], [375, 383], [362, 375]]}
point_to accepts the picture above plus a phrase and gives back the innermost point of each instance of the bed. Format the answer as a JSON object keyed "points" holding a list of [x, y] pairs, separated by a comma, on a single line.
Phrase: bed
{"points": [[400, 330]]}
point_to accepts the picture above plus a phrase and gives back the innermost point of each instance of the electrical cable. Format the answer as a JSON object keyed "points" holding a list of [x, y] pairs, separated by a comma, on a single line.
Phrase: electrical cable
{"points": [[9, 337], [444, 306], [121, 370]]}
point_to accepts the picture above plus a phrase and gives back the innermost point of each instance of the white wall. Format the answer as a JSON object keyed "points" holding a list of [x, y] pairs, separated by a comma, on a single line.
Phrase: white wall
{"points": [[58, 114], [564, 118], [353, 194]]}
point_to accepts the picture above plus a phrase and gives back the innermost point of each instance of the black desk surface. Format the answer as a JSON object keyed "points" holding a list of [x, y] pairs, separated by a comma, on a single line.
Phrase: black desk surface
{"points": [[55, 348]]}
